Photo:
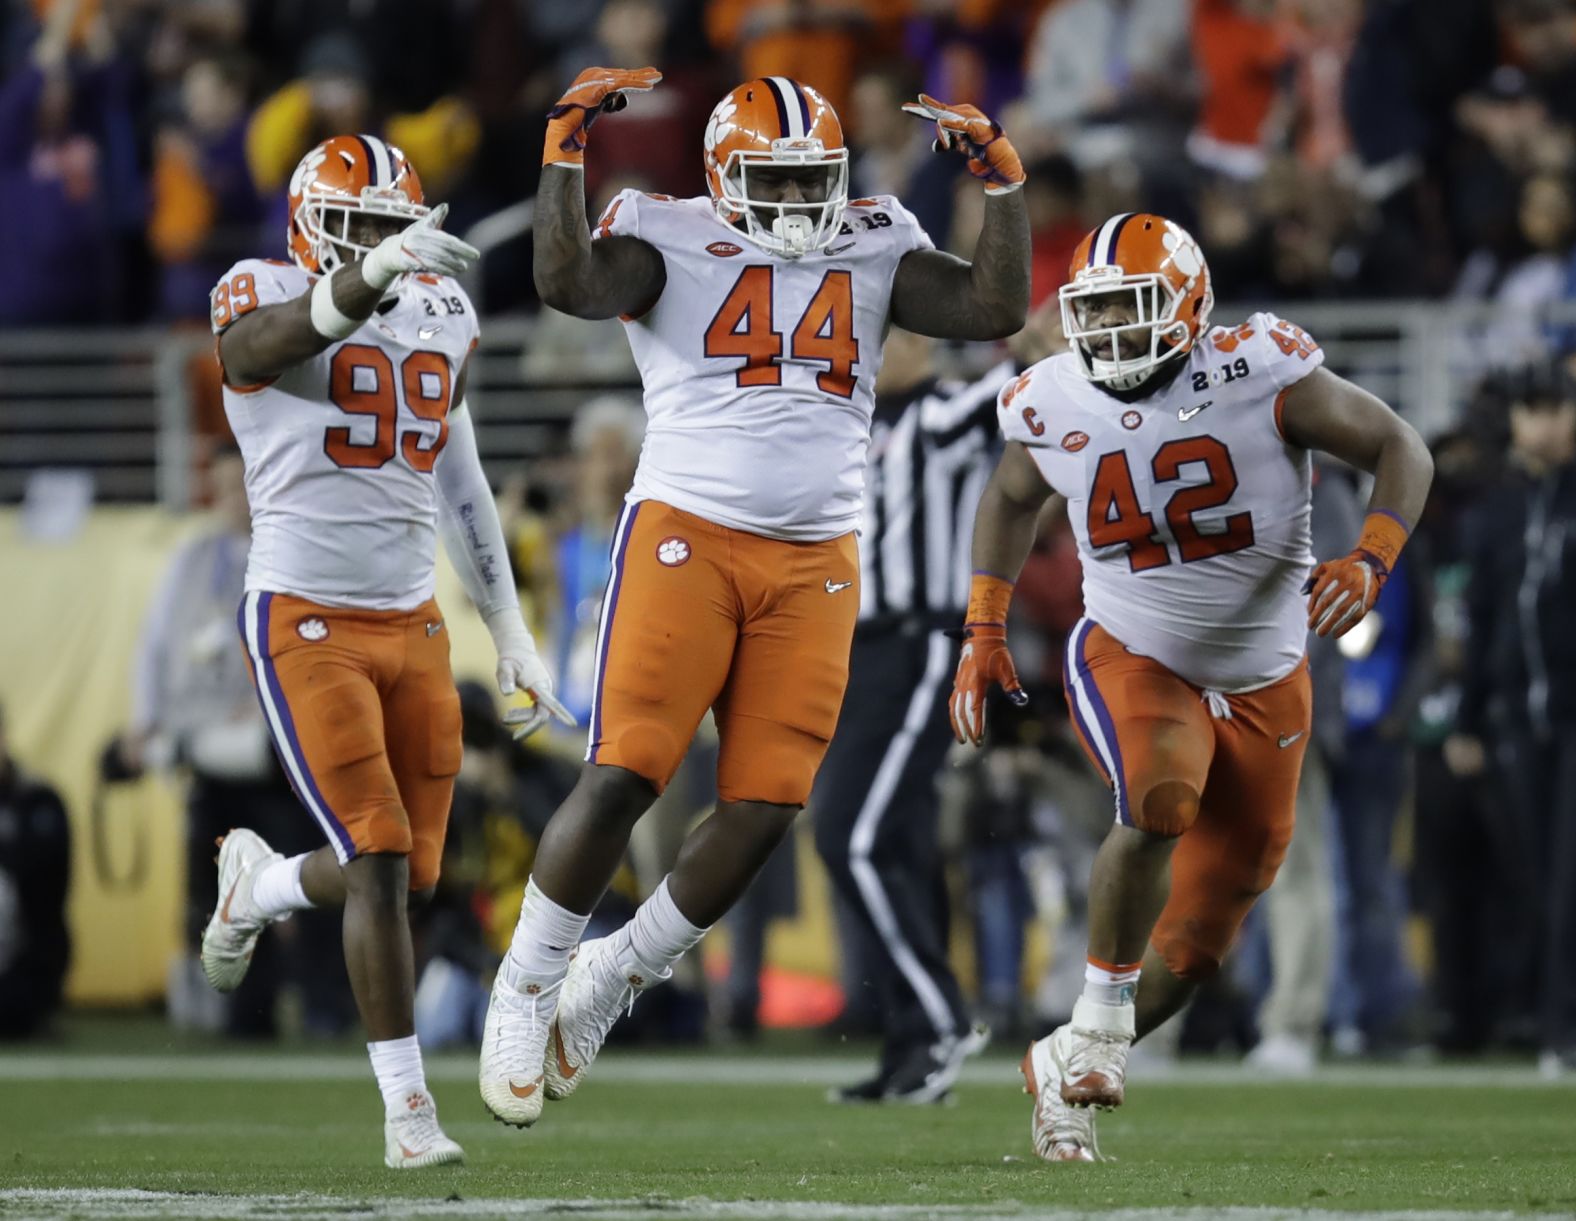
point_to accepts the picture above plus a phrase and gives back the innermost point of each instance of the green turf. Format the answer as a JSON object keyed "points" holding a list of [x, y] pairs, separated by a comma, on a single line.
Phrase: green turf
{"points": [[1179, 1145]]}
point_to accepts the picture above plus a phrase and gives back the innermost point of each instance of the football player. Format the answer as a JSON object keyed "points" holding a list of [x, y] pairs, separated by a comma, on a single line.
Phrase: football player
{"points": [[1182, 453], [344, 382], [756, 314]]}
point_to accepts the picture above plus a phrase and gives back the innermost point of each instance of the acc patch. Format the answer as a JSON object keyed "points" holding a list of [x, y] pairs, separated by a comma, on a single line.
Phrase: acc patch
{"points": [[312, 629], [1075, 441], [673, 551], [1131, 420], [724, 250]]}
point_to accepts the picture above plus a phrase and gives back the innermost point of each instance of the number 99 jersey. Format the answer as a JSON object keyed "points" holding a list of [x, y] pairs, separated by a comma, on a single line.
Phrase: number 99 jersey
{"points": [[759, 370], [340, 449], [1190, 507]]}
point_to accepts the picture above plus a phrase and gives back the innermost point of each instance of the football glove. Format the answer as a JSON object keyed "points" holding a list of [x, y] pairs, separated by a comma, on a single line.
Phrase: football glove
{"points": [[520, 668], [965, 129], [983, 662], [1342, 592], [594, 92], [423, 246]]}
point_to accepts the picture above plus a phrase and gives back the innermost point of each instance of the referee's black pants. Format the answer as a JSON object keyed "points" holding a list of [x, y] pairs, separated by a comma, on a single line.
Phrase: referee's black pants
{"points": [[876, 810]]}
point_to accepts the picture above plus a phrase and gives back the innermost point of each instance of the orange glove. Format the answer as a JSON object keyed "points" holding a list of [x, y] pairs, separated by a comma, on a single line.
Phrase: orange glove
{"points": [[595, 91], [984, 660], [1343, 591], [966, 130]]}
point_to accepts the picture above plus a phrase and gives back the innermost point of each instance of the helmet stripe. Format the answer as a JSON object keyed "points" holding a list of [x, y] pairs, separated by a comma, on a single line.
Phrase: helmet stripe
{"points": [[384, 175], [804, 105], [372, 162], [789, 113], [1105, 240]]}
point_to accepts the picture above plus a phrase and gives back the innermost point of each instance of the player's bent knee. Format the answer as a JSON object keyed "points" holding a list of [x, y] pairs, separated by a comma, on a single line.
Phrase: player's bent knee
{"points": [[1187, 959], [425, 865], [649, 750], [1167, 808]]}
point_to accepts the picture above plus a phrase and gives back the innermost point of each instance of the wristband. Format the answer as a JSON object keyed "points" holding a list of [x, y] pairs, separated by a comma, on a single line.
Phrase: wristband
{"points": [[1384, 534], [328, 320], [989, 597]]}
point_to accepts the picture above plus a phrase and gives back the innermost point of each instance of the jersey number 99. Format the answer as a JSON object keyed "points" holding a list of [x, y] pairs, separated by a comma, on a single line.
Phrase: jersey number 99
{"points": [[361, 382]]}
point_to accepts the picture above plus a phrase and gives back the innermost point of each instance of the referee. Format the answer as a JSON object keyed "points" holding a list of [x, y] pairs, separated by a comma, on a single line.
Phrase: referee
{"points": [[933, 446]]}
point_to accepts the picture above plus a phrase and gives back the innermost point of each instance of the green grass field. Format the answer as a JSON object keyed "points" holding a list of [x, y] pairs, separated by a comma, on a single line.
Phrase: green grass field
{"points": [[210, 1133]]}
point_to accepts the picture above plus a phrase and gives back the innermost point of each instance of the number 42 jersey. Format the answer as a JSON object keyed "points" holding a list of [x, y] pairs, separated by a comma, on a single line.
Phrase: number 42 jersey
{"points": [[341, 448], [1190, 507], [759, 371]]}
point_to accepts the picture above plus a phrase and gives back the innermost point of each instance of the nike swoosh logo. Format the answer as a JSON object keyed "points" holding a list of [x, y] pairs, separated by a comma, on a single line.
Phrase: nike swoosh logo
{"points": [[434, 628], [1187, 413], [565, 1069], [408, 1152], [427, 332], [839, 249], [224, 912], [524, 1091], [1287, 741], [833, 587]]}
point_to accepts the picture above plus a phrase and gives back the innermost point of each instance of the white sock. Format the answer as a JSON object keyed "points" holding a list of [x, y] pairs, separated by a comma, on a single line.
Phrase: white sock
{"points": [[397, 1065], [659, 934], [276, 891], [543, 939], [1110, 983]]}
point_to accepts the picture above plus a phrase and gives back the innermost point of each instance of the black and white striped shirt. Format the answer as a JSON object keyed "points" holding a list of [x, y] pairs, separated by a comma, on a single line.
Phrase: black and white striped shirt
{"points": [[931, 454]]}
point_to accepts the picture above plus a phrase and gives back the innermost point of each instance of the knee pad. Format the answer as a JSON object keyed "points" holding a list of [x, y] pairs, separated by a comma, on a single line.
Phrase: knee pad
{"points": [[1168, 807], [1186, 958], [648, 749]]}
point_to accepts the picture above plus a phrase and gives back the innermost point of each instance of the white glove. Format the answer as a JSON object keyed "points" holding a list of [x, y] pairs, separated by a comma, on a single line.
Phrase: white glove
{"points": [[422, 246], [520, 668]]}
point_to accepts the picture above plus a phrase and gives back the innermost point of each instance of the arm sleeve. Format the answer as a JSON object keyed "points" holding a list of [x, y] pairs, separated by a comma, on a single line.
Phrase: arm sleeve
{"points": [[468, 520]]}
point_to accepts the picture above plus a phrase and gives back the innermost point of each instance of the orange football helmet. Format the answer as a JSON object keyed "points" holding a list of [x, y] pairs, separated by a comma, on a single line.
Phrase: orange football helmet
{"points": [[776, 121], [1162, 266], [346, 174]]}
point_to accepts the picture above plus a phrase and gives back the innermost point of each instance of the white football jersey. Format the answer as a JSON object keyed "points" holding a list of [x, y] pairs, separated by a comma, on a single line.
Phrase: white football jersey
{"points": [[340, 449], [1190, 508], [759, 371]]}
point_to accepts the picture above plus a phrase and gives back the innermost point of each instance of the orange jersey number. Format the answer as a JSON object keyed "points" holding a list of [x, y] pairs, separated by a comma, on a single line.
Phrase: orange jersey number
{"points": [[233, 297], [361, 382], [1115, 516], [742, 327]]}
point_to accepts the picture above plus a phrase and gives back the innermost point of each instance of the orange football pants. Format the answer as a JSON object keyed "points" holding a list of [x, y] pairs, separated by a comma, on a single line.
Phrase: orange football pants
{"points": [[365, 718], [1227, 786], [697, 616]]}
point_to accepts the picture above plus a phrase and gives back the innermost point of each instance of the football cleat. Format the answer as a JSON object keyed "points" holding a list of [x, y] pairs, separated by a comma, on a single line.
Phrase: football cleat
{"points": [[597, 991], [412, 1139], [1091, 1053], [514, 1041], [1061, 1133], [231, 935]]}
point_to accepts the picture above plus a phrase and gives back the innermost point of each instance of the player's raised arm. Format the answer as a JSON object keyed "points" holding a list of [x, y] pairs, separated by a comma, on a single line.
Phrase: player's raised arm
{"points": [[1327, 412], [265, 342], [939, 294], [617, 274]]}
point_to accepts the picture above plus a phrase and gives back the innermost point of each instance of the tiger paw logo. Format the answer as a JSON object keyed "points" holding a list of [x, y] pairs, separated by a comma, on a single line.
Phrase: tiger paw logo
{"points": [[672, 552], [638, 981], [312, 629], [416, 1101], [1131, 420], [1183, 250]]}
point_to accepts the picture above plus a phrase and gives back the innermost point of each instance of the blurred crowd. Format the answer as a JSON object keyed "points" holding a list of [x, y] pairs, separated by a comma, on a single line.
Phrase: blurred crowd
{"points": [[1318, 148]]}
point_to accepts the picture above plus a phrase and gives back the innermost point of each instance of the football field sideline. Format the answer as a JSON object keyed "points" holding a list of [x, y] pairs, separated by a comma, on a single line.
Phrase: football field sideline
{"points": [[635, 1067]]}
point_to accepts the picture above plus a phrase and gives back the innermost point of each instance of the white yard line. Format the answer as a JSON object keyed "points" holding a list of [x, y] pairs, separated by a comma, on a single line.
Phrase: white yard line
{"points": [[99, 1204], [718, 1070]]}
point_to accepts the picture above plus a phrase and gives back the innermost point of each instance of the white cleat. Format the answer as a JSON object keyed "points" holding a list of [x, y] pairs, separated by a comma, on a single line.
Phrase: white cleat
{"points": [[231, 935], [1061, 1133], [514, 1041], [1091, 1053], [413, 1138], [597, 991]]}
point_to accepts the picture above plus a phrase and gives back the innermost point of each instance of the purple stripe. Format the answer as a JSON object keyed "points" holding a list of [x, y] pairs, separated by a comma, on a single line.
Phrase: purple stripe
{"points": [[292, 742], [372, 162], [1116, 234], [804, 105], [616, 581], [1102, 714], [1393, 516], [782, 108]]}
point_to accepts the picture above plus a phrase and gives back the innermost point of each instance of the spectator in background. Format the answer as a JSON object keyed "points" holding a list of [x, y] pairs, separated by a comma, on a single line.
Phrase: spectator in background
{"points": [[1241, 54], [891, 154], [818, 42], [193, 708], [205, 212], [67, 175], [332, 95], [1518, 702], [1054, 195], [35, 874], [1541, 36]]}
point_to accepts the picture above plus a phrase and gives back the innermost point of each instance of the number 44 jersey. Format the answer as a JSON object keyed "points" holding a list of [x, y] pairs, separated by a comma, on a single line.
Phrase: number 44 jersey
{"points": [[1190, 507], [340, 449], [759, 370]]}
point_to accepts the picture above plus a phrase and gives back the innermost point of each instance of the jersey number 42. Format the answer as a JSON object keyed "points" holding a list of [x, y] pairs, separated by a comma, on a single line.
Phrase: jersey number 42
{"points": [[1115, 516], [361, 382]]}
